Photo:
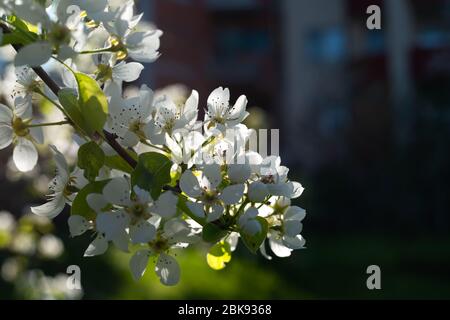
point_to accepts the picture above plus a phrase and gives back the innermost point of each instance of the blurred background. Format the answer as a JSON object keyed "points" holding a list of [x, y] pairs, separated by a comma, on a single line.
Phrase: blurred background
{"points": [[364, 119]]}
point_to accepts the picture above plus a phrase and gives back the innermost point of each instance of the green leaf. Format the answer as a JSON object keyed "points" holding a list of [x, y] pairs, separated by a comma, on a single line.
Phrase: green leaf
{"points": [[212, 233], [152, 173], [93, 103], [22, 33], [80, 205], [253, 242], [91, 158], [219, 255], [70, 104], [118, 163]]}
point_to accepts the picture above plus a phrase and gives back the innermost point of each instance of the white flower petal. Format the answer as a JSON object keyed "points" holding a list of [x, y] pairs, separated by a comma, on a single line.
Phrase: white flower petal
{"points": [[117, 191], [144, 47], [263, 251], [233, 240], [257, 191], [232, 194], [239, 108], [278, 248], [190, 111], [297, 242], [239, 173], [280, 189], [146, 100], [292, 228], [176, 151], [297, 189], [77, 225], [294, 213], [196, 209], [191, 103], [166, 205], [97, 247], [25, 155], [6, 136], [121, 240], [142, 195], [34, 54], [112, 223], [252, 226], [251, 213], [51, 208], [142, 232], [6, 114], [66, 52], [178, 232], [79, 179], [175, 226], [23, 106], [153, 133], [216, 213], [138, 263], [218, 99], [61, 163], [129, 139], [211, 176], [38, 134], [96, 201], [168, 270], [189, 184], [127, 71]]}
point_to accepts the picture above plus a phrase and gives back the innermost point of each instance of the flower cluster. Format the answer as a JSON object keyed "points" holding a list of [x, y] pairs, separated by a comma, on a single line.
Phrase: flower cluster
{"points": [[152, 177]]}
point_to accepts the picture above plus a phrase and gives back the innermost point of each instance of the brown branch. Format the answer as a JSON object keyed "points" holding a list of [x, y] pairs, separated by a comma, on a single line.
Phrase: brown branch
{"points": [[110, 138]]}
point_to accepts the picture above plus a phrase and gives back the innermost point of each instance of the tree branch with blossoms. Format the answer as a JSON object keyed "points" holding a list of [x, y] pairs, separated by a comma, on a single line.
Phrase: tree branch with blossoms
{"points": [[53, 86], [151, 177]]}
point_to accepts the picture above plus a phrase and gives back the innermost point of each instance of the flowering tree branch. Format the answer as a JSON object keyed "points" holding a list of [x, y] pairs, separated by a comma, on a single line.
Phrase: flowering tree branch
{"points": [[45, 77], [193, 186]]}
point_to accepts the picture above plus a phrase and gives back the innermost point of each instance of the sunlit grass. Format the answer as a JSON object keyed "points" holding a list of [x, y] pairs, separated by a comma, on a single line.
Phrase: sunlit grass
{"points": [[241, 279]]}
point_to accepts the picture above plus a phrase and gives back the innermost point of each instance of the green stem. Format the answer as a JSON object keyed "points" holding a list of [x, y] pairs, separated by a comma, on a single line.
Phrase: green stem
{"points": [[153, 146], [96, 51], [64, 64], [240, 210], [264, 202], [59, 123]]}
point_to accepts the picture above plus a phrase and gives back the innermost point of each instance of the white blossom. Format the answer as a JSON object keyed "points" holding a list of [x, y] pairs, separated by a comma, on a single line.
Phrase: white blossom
{"points": [[141, 46], [128, 117], [14, 130], [220, 113], [170, 117], [176, 234], [62, 187], [211, 198]]}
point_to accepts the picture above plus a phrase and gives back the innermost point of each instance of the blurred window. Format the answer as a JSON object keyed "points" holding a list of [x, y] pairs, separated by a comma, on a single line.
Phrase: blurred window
{"points": [[326, 45]]}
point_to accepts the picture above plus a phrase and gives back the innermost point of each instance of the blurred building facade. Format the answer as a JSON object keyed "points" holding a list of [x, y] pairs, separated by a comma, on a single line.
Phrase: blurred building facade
{"points": [[313, 64]]}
